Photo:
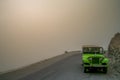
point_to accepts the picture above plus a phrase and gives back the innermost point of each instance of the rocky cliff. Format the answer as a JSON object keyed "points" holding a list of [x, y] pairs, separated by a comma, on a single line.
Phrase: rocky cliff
{"points": [[114, 53]]}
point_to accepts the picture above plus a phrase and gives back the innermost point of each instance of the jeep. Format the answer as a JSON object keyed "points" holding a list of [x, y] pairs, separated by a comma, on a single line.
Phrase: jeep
{"points": [[93, 58]]}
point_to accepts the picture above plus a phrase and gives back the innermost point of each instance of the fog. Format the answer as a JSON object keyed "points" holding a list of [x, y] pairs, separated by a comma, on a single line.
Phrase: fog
{"points": [[34, 30]]}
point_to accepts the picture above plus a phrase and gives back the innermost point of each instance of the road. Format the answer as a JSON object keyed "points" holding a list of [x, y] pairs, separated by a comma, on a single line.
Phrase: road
{"points": [[69, 68]]}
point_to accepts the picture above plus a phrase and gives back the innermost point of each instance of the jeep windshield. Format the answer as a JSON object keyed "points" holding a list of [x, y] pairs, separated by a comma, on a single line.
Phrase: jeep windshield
{"points": [[93, 50]]}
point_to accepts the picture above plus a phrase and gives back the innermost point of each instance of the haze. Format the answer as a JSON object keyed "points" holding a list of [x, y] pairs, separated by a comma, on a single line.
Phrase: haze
{"points": [[34, 30]]}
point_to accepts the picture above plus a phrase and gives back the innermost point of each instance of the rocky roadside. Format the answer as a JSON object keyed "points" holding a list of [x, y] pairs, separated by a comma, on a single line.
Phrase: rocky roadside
{"points": [[114, 54]]}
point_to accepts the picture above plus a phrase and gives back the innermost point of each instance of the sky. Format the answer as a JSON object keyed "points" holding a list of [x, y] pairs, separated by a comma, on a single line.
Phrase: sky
{"points": [[34, 30]]}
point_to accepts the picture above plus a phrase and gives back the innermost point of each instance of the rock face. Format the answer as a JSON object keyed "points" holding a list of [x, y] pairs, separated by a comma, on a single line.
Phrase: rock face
{"points": [[114, 53]]}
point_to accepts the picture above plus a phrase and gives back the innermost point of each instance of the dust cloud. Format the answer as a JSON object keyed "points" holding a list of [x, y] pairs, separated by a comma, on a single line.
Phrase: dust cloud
{"points": [[34, 30]]}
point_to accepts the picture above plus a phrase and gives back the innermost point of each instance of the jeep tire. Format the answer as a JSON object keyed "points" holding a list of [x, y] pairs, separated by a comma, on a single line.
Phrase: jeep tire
{"points": [[105, 69], [85, 70]]}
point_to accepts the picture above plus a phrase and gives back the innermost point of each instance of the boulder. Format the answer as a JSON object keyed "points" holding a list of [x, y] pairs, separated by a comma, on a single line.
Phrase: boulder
{"points": [[114, 52]]}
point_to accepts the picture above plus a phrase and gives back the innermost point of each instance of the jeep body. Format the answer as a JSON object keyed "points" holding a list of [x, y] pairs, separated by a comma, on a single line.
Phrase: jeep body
{"points": [[93, 58]]}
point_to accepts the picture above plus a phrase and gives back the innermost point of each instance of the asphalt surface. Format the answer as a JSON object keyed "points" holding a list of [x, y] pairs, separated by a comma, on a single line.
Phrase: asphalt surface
{"points": [[69, 68]]}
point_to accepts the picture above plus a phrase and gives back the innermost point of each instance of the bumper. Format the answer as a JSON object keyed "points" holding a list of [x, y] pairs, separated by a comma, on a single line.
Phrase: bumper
{"points": [[95, 65]]}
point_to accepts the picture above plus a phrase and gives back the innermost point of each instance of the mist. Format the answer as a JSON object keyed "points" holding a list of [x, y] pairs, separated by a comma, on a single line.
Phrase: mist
{"points": [[35, 30]]}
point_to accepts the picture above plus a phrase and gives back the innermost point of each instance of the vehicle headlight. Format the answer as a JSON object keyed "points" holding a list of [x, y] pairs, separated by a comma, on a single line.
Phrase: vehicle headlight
{"points": [[101, 59], [90, 59]]}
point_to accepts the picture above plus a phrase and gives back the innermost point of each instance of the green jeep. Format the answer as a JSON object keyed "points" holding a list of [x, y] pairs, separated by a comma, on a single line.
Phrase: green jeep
{"points": [[93, 58]]}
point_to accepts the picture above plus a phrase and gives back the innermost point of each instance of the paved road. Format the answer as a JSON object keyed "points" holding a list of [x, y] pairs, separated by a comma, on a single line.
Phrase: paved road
{"points": [[69, 68]]}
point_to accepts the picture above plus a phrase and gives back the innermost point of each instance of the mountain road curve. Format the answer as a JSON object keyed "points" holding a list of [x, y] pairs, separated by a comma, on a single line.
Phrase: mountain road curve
{"points": [[69, 68]]}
